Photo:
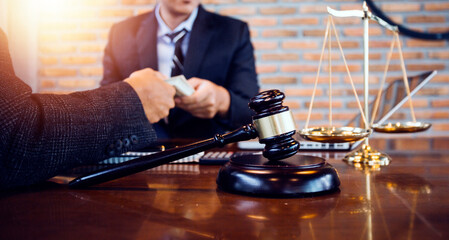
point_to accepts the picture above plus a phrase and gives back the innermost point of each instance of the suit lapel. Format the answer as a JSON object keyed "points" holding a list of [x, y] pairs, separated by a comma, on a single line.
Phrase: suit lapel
{"points": [[200, 39], [146, 40]]}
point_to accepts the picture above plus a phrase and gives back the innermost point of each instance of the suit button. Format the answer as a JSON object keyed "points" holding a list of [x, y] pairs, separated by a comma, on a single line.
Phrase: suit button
{"points": [[110, 151], [126, 143], [118, 144], [134, 139]]}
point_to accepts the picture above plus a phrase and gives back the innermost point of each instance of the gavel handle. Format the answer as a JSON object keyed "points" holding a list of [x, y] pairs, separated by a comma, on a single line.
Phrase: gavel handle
{"points": [[146, 162]]}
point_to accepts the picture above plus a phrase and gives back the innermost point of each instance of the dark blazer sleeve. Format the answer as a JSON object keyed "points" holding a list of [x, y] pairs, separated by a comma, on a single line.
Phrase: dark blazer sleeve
{"points": [[45, 134], [241, 80], [111, 72]]}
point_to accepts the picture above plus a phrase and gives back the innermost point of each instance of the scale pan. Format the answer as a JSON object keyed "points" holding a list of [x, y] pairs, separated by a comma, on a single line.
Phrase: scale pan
{"points": [[404, 127], [334, 134]]}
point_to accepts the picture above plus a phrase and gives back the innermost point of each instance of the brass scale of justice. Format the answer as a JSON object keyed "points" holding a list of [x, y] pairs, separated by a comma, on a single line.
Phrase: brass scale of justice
{"points": [[279, 171], [365, 155]]}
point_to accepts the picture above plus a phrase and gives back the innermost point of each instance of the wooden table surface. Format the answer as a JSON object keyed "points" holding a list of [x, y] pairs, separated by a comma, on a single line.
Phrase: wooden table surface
{"points": [[409, 199]]}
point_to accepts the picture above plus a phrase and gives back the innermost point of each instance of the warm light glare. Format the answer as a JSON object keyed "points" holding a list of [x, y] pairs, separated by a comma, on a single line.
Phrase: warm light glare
{"points": [[49, 7]]}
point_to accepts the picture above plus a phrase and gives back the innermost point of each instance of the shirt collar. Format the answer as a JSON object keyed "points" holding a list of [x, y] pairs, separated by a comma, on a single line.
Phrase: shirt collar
{"points": [[163, 29]]}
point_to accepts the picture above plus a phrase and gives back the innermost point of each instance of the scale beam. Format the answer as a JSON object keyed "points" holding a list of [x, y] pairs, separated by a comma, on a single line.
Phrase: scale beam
{"points": [[361, 14]]}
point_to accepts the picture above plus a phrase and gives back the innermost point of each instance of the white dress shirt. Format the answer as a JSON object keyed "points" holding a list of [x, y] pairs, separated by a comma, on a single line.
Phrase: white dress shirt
{"points": [[165, 47]]}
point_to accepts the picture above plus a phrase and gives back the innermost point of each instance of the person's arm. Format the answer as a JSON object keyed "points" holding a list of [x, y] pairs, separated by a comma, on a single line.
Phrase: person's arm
{"points": [[44, 134]]}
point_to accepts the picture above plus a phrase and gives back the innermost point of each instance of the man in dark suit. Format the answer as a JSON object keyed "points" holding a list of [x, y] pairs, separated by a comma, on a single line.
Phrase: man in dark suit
{"points": [[45, 134], [218, 61]]}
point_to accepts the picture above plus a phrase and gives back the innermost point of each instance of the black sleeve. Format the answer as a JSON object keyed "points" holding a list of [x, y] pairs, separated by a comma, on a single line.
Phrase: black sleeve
{"points": [[242, 80]]}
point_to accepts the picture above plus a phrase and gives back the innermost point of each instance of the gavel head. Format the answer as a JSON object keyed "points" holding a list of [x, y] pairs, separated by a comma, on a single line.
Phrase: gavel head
{"points": [[274, 124]]}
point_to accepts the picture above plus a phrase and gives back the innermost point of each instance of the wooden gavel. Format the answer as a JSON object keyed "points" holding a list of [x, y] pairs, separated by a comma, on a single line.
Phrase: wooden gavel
{"points": [[273, 124]]}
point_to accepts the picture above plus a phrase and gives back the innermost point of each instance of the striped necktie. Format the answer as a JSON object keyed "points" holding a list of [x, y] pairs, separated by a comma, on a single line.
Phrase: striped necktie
{"points": [[178, 57]]}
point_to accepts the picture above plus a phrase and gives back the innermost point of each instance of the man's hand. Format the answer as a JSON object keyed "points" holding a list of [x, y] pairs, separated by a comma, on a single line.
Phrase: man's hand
{"points": [[156, 95], [208, 100]]}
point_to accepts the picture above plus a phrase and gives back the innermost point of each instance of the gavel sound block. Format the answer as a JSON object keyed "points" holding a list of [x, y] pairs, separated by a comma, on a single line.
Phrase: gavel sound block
{"points": [[278, 172]]}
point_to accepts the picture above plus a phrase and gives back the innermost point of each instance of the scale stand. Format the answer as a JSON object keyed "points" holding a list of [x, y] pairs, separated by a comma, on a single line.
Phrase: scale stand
{"points": [[366, 154]]}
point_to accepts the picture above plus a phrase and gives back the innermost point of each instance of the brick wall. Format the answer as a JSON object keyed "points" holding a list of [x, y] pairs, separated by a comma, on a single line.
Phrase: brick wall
{"points": [[287, 35]]}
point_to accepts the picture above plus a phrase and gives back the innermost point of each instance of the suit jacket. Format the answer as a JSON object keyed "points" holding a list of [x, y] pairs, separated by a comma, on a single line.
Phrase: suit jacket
{"points": [[45, 134], [219, 50]]}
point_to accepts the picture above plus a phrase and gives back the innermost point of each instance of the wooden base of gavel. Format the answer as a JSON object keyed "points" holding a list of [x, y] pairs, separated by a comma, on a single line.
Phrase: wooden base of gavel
{"points": [[296, 176], [279, 172]]}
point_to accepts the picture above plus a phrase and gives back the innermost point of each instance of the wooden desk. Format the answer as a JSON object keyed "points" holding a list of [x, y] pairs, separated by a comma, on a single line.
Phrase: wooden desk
{"points": [[407, 200]]}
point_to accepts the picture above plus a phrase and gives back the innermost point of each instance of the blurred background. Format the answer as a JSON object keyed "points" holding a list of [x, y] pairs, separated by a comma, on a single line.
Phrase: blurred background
{"points": [[57, 47]]}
